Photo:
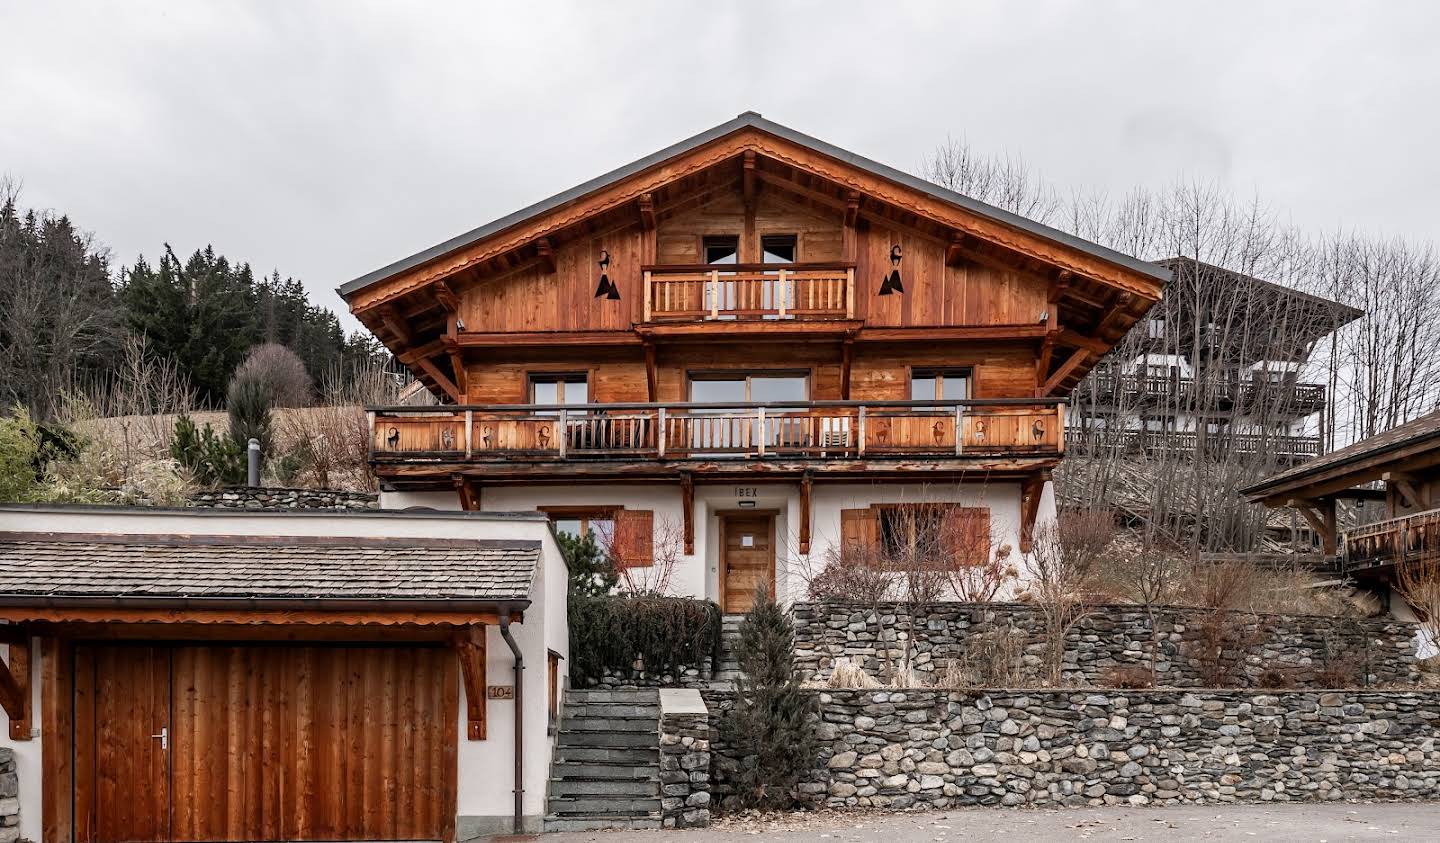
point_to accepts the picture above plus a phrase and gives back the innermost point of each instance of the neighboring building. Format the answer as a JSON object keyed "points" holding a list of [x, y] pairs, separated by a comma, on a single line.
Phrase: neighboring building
{"points": [[755, 343], [1392, 481], [226, 675], [1214, 369]]}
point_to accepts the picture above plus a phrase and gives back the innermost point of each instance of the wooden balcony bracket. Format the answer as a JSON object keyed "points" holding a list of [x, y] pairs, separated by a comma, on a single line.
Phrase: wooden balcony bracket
{"points": [[446, 298], [1031, 491], [469, 644], [15, 682], [645, 206], [687, 508], [1061, 285], [1070, 365], [955, 252], [469, 492], [1320, 515], [1042, 362], [441, 380], [457, 365], [546, 255], [806, 481]]}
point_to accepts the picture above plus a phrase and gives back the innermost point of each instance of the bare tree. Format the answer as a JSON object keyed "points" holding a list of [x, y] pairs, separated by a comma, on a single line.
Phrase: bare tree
{"points": [[1418, 582], [1063, 575], [653, 579], [1006, 183]]}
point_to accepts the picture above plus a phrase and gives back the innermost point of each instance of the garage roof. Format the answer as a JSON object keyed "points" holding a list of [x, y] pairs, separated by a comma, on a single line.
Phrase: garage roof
{"points": [[64, 567]]}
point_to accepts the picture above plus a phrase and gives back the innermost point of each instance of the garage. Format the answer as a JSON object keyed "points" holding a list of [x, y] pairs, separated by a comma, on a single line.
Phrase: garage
{"points": [[254, 742]]}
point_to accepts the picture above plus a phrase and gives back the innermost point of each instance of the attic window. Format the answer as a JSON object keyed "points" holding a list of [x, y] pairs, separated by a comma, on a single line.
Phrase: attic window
{"points": [[778, 248], [722, 249]]}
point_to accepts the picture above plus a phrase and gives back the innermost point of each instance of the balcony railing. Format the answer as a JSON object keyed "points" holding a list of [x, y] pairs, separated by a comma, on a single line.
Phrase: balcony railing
{"points": [[1288, 396], [686, 431], [1151, 441], [749, 291], [1393, 541]]}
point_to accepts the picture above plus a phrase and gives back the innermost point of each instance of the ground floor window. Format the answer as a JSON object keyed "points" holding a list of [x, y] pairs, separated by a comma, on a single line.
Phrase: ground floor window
{"points": [[581, 521]]}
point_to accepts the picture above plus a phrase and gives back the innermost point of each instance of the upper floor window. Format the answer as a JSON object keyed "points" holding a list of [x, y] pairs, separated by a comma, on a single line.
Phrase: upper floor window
{"points": [[569, 388], [778, 248], [939, 385], [743, 386], [722, 249]]}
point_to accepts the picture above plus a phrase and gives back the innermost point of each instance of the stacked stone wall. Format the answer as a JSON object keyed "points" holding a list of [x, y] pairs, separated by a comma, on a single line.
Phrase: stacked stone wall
{"points": [[684, 769], [259, 497], [9, 797]]}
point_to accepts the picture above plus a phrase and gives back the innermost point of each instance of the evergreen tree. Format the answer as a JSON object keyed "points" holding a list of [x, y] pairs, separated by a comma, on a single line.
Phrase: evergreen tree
{"points": [[592, 574], [249, 401], [771, 726]]}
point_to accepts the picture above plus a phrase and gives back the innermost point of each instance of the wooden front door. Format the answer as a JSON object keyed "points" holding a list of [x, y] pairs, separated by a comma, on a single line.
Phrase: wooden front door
{"points": [[747, 558], [264, 742]]}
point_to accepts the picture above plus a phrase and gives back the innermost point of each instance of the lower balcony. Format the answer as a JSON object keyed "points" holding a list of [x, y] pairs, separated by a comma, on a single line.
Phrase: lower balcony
{"points": [[1182, 442], [1393, 541], [839, 433]]}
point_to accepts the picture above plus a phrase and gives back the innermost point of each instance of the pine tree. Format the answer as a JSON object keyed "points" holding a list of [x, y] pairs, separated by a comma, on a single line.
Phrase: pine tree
{"points": [[592, 574], [248, 402], [771, 726]]}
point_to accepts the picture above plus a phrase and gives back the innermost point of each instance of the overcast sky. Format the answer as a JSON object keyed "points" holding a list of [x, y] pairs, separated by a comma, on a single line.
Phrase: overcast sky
{"points": [[325, 139]]}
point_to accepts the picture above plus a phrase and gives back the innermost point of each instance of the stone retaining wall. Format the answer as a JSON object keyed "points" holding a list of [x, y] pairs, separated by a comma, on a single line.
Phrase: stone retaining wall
{"points": [[936, 748], [9, 797], [258, 497], [689, 676], [684, 760], [1004, 643]]}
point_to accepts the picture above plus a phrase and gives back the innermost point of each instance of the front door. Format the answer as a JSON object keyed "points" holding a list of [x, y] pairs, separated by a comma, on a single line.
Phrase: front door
{"points": [[122, 697], [747, 558]]}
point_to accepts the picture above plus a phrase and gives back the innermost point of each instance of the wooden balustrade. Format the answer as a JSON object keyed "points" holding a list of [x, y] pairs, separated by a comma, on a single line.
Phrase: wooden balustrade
{"points": [[812, 430], [1396, 540], [798, 291]]}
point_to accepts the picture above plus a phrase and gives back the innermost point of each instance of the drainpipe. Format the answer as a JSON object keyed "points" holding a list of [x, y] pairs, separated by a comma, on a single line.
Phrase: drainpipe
{"points": [[519, 721]]}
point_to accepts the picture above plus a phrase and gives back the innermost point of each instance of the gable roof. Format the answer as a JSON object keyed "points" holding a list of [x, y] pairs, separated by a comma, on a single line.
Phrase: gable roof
{"points": [[1419, 430], [751, 119], [227, 570]]}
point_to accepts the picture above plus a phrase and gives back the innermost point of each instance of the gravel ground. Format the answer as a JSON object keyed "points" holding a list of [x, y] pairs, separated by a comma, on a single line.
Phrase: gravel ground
{"points": [[1321, 823]]}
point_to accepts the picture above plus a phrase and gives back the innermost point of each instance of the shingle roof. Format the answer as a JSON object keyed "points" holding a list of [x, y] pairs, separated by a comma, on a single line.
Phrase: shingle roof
{"points": [[752, 119], [1425, 427], [219, 568]]}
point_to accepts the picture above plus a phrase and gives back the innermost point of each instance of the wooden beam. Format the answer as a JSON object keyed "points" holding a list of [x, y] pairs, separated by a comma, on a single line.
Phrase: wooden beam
{"points": [[1320, 514], [955, 252], [15, 690], [687, 507], [747, 170], [1031, 490], [847, 361], [457, 365], [470, 646], [1119, 311], [1023, 333], [469, 492], [652, 375], [1061, 284], [816, 196], [806, 481], [544, 339], [445, 295], [394, 324], [852, 209], [1074, 339], [1405, 485], [265, 617], [1042, 362], [57, 751], [449, 387], [645, 205], [1070, 365], [546, 255]]}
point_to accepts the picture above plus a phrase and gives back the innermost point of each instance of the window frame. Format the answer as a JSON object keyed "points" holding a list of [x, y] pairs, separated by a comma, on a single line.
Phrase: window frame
{"points": [[794, 240], [938, 375], [747, 374], [584, 513], [559, 377], [707, 240]]}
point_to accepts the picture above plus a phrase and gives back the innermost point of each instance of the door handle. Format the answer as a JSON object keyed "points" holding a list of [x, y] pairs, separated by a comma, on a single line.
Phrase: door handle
{"points": [[164, 737]]}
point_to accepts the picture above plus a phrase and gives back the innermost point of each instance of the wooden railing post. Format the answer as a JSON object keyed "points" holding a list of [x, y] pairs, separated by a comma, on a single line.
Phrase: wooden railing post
{"points": [[649, 296], [469, 433], [662, 434], [959, 429], [760, 430], [714, 294], [370, 420], [780, 296], [850, 293], [860, 438], [563, 434]]}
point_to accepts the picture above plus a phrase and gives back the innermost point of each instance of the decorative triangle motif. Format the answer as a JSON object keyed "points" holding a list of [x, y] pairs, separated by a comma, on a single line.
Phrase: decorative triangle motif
{"points": [[607, 287]]}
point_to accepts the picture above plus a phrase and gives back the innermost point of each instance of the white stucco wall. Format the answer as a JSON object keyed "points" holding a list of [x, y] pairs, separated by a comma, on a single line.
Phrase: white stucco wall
{"points": [[484, 779]]}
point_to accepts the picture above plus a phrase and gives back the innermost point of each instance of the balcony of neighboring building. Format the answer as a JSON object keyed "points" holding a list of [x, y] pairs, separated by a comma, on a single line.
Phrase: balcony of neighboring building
{"points": [[1394, 541], [1285, 447], [1166, 387], [616, 439]]}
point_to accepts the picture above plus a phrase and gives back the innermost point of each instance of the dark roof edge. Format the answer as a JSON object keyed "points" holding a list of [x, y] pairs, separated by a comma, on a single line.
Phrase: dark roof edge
{"points": [[1345, 313], [265, 604], [1300, 473], [753, 119], [220, 512]]}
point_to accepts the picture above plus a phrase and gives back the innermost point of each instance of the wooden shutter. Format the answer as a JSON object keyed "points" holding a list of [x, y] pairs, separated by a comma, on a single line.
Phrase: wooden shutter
{"points": [[635, 537], [966, 534], [859, 531]]}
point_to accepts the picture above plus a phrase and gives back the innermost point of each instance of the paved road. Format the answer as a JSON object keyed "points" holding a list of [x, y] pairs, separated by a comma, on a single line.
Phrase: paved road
{"points": [[1324, 823]]}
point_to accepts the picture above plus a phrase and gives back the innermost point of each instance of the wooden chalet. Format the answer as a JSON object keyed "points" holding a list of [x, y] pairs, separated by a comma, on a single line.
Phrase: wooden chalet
{"points": [[751, 333], [1394, 477]]}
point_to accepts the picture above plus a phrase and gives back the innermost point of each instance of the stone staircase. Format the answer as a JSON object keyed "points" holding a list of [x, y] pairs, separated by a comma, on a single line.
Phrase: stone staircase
{"points": [[727, 668], [606, 769]]}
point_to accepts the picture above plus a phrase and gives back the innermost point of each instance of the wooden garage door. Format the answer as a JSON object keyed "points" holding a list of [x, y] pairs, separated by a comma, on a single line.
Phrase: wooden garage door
{"points": [[212, 743]]}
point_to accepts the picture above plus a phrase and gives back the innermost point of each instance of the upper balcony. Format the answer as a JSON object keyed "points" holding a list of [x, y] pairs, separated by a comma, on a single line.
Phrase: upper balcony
{"points": [[616, 438], [1285, 398], [730, 292], [1390, 542]]}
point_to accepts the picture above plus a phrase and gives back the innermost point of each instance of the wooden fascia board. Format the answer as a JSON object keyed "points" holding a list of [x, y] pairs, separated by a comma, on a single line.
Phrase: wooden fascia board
{"points": [[262, 617], [1017, 333], [750, 139], [545, 339], [1338, 478]]}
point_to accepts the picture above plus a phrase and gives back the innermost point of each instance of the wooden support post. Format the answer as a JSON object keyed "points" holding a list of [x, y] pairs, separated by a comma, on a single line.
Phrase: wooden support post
{"points": [[1405, 484], [470, 646], [57, 750], [847, 359], [748, 186], [649, 299], [1320, 515], [780, 295], [714, 294], [646, 206], [469, 493], [15, 689], [850, 292], [1031, 491], [806, 481], [652, 374], [662, 432], [687, 507]]}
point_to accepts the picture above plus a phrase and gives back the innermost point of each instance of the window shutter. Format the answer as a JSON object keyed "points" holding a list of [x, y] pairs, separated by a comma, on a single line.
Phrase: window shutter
{"points": [[966, 535], [635, 537], [859, 529]]}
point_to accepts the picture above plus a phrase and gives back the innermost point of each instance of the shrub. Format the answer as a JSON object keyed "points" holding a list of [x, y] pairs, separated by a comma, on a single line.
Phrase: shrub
{"points": [[281, 371], [850, 581], [19, 451], [1128, 676], [771, 726], [214, 460], [248, 402], [629, 635]]}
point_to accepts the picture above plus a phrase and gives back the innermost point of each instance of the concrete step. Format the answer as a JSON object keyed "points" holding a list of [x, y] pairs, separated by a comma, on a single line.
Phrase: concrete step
{"points": [[581, 788], [608, 724], [625, 740], [605, 805], [649, 696], [600, 770], [635, 757], [651, 712], [601, 823]]}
